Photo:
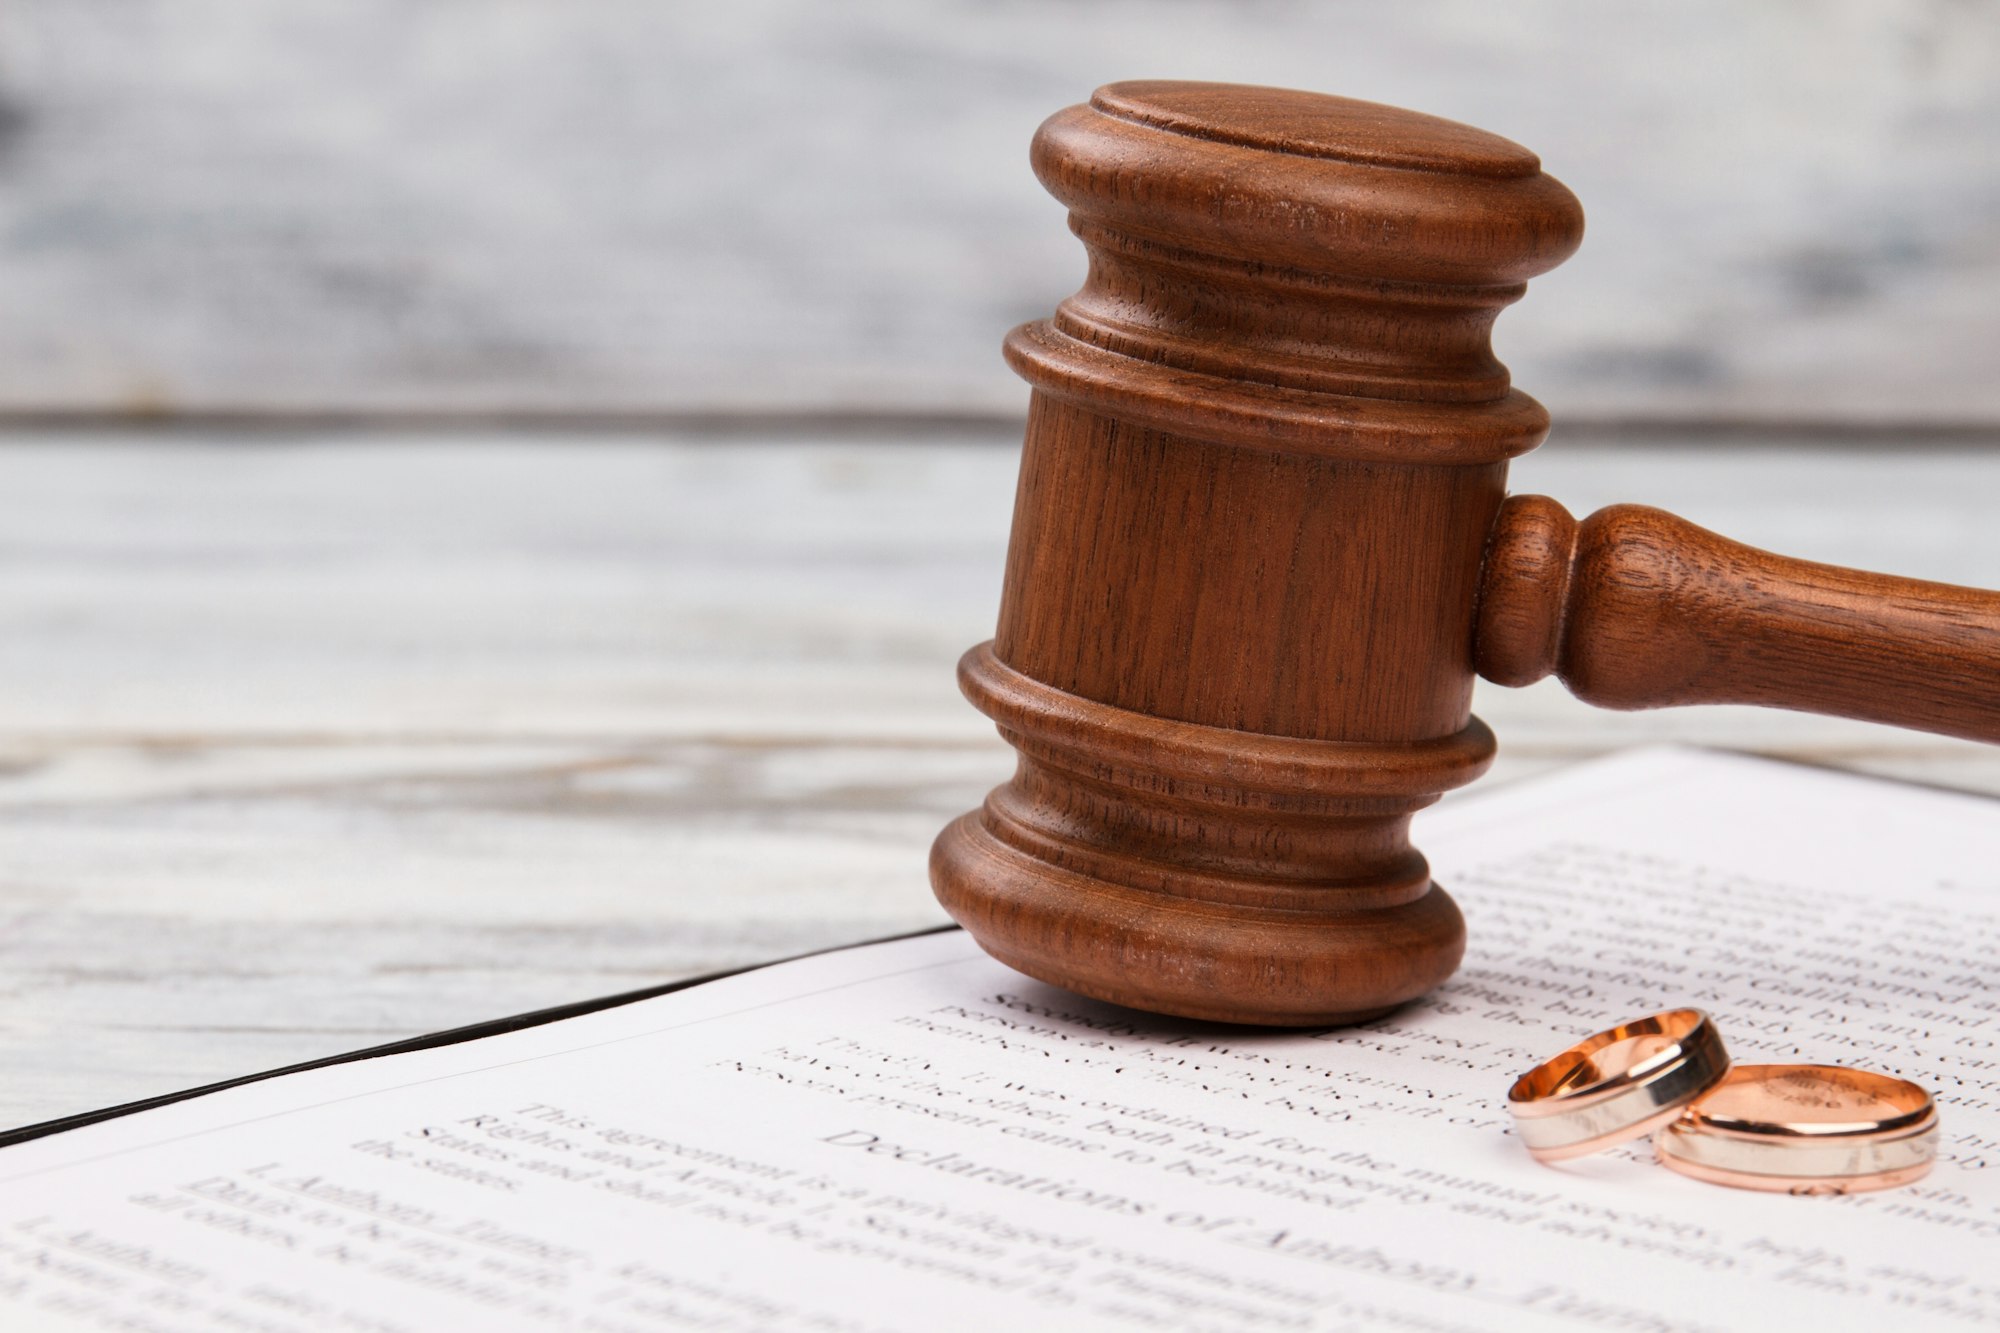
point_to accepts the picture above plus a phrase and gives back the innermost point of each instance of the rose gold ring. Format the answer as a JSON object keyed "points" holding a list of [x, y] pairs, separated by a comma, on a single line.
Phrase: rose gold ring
{"points": [[1804, 1129], [1622, 1083]]}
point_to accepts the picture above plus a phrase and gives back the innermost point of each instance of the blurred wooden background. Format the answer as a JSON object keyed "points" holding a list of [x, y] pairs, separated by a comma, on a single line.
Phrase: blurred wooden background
{"points": [[592, 207]]}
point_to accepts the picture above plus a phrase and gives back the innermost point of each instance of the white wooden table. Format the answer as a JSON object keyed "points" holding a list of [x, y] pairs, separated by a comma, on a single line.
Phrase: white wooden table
{"points": [[308, 743]]}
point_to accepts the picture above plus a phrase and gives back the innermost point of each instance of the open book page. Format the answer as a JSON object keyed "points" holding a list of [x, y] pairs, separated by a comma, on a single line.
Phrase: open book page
{"points": [[911, 1136]]}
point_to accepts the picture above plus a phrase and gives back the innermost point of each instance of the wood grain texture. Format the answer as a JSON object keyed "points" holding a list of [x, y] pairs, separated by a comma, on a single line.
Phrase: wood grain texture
{"points": [[485, 205], [311, 741], [1636, 608], [1207, 583]]}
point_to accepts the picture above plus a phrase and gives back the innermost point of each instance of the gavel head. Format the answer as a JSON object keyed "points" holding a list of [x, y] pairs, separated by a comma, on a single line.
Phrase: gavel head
{"points": [[1266, 443]]}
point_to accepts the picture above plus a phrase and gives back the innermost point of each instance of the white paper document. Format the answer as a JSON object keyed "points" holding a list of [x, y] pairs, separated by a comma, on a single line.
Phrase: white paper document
{"points": [[910, 1136]]}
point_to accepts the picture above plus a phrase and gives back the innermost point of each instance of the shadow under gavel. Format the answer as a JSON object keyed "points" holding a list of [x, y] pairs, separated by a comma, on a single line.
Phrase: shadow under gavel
{"points": [[1262, 543]]}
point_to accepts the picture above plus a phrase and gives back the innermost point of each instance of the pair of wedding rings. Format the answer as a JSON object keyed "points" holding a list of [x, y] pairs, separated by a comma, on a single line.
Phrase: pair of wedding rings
{"points": [[1797, 1129]]}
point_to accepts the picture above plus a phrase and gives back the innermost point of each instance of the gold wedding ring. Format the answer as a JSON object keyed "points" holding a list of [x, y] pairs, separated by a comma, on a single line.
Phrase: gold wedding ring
{"points": [[1804, 1129], [1622, 1083]]}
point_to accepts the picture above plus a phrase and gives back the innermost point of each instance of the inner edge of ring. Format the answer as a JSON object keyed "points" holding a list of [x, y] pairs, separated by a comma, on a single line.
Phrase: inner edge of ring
{"points": [[1690, 1046], [1910, 1125]]}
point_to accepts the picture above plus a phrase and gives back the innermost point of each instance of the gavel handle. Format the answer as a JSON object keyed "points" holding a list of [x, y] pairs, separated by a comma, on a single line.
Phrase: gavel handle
{"points": [[1635, 608]]}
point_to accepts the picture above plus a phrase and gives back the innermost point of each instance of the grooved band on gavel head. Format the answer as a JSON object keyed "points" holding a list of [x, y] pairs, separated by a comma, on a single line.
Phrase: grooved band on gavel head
{"points": [[1282, 242]]}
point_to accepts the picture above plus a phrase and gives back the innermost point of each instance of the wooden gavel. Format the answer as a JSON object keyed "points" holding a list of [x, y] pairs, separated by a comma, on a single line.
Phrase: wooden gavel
{"points": [[1262, 543]]}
